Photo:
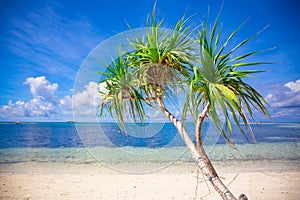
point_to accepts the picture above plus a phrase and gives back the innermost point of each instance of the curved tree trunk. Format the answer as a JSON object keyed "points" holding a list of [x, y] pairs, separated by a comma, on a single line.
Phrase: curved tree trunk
{"points": [[218, 185], [198, 155]]}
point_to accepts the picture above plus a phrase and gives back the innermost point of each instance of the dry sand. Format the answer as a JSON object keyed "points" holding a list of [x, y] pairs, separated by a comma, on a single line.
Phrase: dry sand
{"points": [[258, 179]]}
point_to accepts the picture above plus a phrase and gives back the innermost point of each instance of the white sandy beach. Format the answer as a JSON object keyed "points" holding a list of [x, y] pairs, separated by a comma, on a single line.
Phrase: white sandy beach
{"points": [[259, 180]]}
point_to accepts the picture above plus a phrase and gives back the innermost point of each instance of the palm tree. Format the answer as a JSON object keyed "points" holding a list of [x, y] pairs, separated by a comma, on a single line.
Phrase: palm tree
{"points": [[160, 58], [164, 60], [217, 85]]}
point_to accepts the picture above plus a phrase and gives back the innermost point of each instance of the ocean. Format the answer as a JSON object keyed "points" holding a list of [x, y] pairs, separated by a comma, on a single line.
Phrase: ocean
{"points": [[143, 143]]}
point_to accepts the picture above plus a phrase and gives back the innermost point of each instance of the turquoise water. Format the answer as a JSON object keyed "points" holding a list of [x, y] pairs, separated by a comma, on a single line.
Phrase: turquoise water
{"points": [[60, 142], [220, 152]]}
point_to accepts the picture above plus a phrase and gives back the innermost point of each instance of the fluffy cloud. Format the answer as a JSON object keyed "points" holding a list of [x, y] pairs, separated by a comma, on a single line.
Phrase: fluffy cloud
{"points": [[285, 100], [66, 105], [41, 87], [43, 103], [294, 86], [36, 107], [85, 103], [102, 87], [285, 96]]}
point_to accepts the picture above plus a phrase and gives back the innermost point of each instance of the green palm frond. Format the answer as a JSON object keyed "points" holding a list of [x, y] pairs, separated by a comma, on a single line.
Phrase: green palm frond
{"points": [[156, 65], [162, 57], [123, 95], [217, 81], [161, 60]]}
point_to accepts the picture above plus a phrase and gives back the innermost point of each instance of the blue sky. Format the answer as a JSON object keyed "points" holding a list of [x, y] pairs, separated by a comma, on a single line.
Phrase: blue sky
{"points": [[43, 44]]}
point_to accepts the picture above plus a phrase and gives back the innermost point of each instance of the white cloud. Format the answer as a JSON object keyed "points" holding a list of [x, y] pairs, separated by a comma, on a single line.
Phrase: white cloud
{"points": [[103, 87], [85, 103], [36, 107], [40, 86], [294, 86], [285, 96], [66, 104], [43, 103], [285, 100]]}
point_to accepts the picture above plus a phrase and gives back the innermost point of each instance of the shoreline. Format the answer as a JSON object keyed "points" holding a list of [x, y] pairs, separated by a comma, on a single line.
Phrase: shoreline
{"points": [[258, 179], [279, 165], [170, 154]]}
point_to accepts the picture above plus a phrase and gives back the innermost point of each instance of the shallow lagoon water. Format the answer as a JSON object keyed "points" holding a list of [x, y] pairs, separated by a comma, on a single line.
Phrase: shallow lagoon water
{"points": [[60, 142]]}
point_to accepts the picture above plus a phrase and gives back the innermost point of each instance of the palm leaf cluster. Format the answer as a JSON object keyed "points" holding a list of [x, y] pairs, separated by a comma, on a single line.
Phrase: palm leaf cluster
{"points": [[157, 64], [122, 94], [162, 60], [218, 82]]}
